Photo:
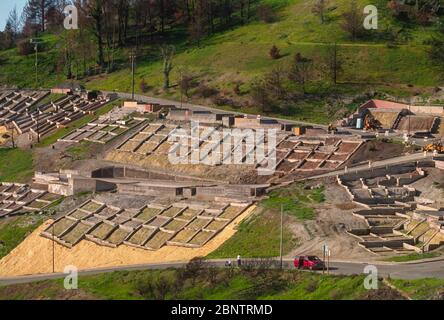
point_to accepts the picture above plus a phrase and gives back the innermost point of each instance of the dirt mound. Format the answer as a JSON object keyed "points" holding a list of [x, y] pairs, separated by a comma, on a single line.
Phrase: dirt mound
{"points": [[236, 174], [416, 123], [376, 151], [384, 293]]}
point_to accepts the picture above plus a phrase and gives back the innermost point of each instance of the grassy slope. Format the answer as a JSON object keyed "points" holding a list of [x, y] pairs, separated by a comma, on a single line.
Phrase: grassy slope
{"points": [[14, 230], [421, 289], [413, 257], [238, 285], [241, 54], [262, 225], [15, 165], [295, 201]]}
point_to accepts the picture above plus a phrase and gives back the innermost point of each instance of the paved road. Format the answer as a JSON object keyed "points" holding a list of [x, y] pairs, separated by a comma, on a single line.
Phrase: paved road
{"points": [[418, 270]]}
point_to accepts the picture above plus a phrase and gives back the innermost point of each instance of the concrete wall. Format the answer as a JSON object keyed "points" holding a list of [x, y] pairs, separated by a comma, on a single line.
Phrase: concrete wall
{"points": [[379, 172], [164, 192], [254, 123], [439, 164], [61, 189], [179, 115], [434, 110]]}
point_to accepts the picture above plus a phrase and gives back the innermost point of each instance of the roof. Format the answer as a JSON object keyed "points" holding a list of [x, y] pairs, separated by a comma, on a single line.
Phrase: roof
{"points": [[384, 104]]}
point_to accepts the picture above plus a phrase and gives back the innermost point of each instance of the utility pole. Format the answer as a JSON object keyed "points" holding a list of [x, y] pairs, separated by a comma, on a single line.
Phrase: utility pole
{"points": [[36, 49], [133, 58], [36, 43], [181, 90], [324, 248], [409, 120], [282, 234], [38, 125], [53, 249]]}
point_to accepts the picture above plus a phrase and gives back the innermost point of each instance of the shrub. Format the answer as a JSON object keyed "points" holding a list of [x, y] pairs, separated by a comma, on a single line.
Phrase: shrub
{"points": [[275, 53], [266, 13], [25, 48], [221, 100], [205, 91], [186, 83], [143, 86], [237, 89], [312, 286]]}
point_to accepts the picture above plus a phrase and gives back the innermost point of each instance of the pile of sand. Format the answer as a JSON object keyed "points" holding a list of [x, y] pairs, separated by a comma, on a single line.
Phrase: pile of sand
{"points": [[3, 131], [34, 254]]}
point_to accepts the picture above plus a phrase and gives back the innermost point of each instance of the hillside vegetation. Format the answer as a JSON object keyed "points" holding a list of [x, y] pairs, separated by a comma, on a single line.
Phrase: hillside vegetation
{"points": [[201, 283], [223, 66]]}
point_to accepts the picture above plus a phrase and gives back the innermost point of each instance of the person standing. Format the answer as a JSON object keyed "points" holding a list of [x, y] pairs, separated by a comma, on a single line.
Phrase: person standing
{"points": [[239, 261]]}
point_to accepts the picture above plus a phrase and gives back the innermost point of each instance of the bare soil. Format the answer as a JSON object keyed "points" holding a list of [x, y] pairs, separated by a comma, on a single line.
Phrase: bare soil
{"points": [[333, 218], [377, 150]]}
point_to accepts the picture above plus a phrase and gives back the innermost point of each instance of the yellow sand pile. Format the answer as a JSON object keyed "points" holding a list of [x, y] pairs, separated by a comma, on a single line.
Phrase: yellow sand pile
{"points": [[3, 131], [34, 254]]}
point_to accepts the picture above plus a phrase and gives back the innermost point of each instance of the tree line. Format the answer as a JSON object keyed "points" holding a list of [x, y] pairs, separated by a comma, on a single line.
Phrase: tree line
{"points": [[119, 23]]}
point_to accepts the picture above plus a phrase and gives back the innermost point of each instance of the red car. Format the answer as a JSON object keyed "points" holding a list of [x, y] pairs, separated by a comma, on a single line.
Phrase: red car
{"points": [[308, 262]]}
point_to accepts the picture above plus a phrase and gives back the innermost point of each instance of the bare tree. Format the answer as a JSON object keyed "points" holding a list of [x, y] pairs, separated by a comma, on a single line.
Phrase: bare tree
{"points": [[269, 92], [334, 62], [14, 21], [353, 20], [167, 53], [320, 8], [301, 70], [259, 95]]}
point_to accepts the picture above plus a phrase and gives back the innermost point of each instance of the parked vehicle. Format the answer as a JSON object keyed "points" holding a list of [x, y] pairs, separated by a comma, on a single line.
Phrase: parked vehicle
{"points": [[308, 262]]}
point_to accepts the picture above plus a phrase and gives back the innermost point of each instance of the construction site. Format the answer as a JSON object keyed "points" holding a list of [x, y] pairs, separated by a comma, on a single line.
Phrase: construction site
{"points": [[397, 118], [23, 113], [129, 204]]}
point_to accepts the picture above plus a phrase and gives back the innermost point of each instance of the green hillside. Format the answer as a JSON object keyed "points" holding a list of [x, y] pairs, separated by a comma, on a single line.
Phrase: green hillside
{"points": [[393, 59]]}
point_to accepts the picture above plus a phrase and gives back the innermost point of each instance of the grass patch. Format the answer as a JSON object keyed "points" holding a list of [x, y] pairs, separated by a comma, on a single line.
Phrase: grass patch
{"points": [[16, 165], [421, 289], [412, 257], [80, 150], [263, 225], [14, 230], [295, 200]]}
